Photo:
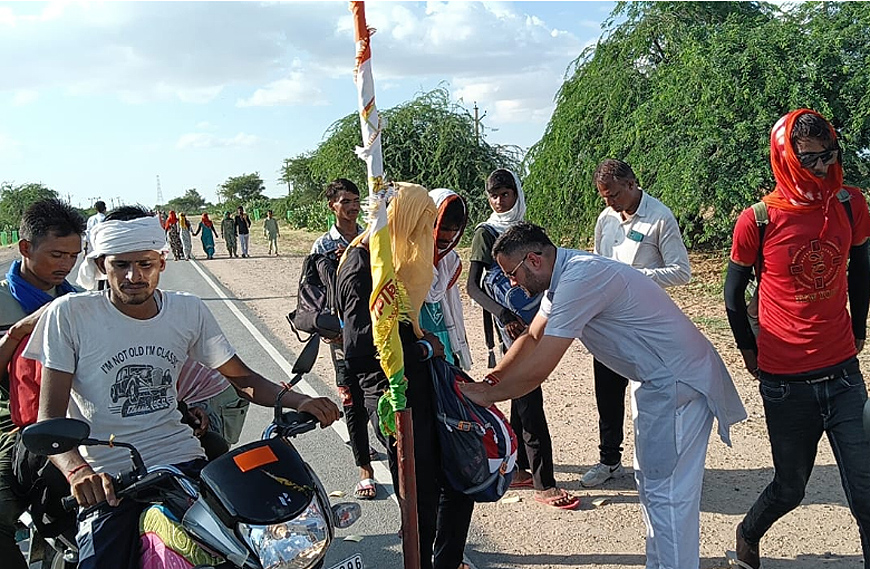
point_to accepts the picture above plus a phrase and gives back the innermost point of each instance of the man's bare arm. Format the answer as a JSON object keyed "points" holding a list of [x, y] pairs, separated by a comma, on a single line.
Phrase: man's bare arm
{"points": [[257, 389], [88, 487], [527, 364]]}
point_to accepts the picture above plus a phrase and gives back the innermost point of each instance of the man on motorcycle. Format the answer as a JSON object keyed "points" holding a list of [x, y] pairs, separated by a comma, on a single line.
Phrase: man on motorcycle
{"points": [[51, 240], [106, 358]]}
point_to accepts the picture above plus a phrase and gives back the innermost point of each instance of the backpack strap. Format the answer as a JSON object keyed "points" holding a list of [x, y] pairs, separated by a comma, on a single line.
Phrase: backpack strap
{"points": [[759, 210], [489, 336], [488, 325], [845, 198]]}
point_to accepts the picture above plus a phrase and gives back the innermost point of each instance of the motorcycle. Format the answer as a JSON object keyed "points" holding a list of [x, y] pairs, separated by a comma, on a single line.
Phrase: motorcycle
{"points": [[259, 506]]}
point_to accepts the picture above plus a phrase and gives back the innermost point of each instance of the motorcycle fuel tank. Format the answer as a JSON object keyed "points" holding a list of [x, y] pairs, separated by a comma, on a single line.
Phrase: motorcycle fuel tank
{"points": [[262, 482]]}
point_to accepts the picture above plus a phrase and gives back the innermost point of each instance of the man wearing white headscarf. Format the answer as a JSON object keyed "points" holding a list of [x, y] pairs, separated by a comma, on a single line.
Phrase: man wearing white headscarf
{"points": [[112, 358], [535, 451]]}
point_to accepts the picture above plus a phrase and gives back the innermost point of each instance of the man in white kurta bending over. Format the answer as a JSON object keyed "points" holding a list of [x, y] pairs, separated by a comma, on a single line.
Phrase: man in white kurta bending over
{"points": [[678, 381]]}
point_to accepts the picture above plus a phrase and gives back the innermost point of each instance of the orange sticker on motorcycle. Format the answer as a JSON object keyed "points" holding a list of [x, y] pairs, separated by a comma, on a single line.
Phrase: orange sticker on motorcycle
{"points": [[254, 458]]}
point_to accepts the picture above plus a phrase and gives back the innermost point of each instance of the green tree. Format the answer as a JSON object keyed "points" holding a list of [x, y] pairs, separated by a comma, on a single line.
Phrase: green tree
{"points": [[190, 202], [15, 199], [429, 140], [687, 92], [242, 189]]}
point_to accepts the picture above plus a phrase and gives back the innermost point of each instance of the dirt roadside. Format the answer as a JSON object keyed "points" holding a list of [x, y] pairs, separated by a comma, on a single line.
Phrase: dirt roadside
{"points": [[525, 534]]}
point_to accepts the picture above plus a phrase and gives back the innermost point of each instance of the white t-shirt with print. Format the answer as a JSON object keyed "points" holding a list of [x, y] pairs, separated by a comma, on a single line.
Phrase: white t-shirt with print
{"points": [[125, 371]]}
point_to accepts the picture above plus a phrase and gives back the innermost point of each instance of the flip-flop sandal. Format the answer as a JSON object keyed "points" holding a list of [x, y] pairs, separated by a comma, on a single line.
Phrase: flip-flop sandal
{"points": [[734, 562], [366, 489], [519, 484], [571, 504]]}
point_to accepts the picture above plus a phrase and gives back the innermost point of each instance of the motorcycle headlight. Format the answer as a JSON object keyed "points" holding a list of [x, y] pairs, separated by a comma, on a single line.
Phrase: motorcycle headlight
{"points": [[295, 544]]}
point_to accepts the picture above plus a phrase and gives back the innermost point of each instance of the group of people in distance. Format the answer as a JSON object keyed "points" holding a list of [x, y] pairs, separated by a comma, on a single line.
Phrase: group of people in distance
{"points": [[235, 231], [806, 244]]}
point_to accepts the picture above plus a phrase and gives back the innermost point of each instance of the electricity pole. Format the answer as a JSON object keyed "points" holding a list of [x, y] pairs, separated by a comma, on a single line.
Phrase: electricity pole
{"points": [[477, 125]]}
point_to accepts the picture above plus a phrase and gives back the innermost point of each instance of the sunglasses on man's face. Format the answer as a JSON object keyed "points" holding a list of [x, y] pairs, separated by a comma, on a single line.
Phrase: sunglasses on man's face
{"points": [[809, 159]]}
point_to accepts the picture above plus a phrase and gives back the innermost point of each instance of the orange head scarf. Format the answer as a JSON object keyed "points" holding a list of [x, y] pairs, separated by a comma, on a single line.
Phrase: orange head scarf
{"points": [[797, 189], [207, 222], [171, 220]]}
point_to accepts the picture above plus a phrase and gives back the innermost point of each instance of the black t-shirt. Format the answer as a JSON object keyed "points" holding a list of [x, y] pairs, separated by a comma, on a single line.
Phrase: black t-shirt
{"points": [[353, 287], [242, 227], [481, 246]]}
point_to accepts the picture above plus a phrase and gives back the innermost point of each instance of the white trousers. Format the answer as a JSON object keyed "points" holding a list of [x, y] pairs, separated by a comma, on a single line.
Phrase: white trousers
{"points": [[671, 505]]}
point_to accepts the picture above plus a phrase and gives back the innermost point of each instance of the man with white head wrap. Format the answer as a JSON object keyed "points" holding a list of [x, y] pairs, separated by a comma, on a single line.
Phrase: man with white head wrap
{"points": [[98, 347], [535, 452]]}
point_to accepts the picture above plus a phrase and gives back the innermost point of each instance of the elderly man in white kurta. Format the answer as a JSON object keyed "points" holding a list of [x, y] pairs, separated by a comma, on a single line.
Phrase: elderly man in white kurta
{"points": [[638, 230], [679, 384]]}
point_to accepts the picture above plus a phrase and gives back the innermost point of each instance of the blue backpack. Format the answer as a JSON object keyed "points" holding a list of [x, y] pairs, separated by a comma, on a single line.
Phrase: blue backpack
{"points": [[478, 446], [498, 287]]}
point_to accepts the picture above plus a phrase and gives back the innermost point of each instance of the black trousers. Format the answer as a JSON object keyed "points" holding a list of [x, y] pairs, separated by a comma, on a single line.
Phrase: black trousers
{"points": [[534, 445], [610, 398], [360, 387], [444, 514]]}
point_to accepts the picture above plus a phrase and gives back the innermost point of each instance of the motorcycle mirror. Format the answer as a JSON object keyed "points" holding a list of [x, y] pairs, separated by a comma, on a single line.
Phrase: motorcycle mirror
{"points": [[55, 436], [308, 356], [345, 514]]}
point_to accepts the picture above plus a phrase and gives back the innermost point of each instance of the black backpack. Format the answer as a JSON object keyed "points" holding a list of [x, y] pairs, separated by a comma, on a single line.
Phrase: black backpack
{"points": [[314, 312]]}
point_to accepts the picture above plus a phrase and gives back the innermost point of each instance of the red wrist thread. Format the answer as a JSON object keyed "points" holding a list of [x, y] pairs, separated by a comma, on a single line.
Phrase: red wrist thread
{"points": [[72, 472]]}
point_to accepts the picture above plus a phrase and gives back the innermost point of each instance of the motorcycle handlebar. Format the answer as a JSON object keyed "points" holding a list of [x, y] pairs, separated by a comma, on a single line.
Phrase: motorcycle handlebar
{"points": [[125, 486]]}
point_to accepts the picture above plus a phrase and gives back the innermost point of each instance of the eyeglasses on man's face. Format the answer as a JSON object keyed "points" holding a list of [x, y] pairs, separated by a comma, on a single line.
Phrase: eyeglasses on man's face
{"points": [[809, 159], [513, 274]]}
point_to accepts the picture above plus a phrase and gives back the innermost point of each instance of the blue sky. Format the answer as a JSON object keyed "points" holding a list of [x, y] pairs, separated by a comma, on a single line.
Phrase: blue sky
{"points": [[99, 98]]}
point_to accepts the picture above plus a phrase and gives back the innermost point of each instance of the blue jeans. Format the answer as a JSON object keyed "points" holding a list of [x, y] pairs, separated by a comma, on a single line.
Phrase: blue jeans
{"points": [[797, 413]]}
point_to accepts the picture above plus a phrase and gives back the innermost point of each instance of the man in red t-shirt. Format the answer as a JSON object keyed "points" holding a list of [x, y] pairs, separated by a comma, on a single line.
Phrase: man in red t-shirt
{"points": [[813, 259]]}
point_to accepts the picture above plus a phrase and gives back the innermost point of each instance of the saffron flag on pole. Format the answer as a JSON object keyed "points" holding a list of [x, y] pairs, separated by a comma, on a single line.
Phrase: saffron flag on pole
{"points": [[369, 120], [388, 299]]}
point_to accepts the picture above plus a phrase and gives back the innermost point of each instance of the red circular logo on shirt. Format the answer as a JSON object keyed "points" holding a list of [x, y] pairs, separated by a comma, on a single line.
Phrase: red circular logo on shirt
{"points": [[817, 264]]}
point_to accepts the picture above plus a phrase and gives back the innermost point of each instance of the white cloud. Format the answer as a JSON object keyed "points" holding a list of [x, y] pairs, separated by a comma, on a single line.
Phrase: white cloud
{"points": [[207, 140], [298, 88], [281, 53]]}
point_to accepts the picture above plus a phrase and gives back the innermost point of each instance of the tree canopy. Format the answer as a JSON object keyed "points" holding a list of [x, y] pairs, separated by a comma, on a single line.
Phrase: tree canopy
{"points": [[14, 199], [687, 92], [190, 202], [242, 189], [429, 140]]}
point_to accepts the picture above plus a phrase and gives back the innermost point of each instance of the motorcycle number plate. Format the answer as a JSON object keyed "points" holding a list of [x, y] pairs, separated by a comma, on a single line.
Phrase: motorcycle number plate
{"points": [[354, 562]]}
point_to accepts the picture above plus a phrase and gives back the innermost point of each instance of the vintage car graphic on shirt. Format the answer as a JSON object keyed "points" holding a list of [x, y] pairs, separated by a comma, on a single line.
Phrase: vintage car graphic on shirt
{"points": [[140, 389]]}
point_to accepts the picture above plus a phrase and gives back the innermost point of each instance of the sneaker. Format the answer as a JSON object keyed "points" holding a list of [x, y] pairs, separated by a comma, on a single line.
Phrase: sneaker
{"points": [[601, 473]]}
